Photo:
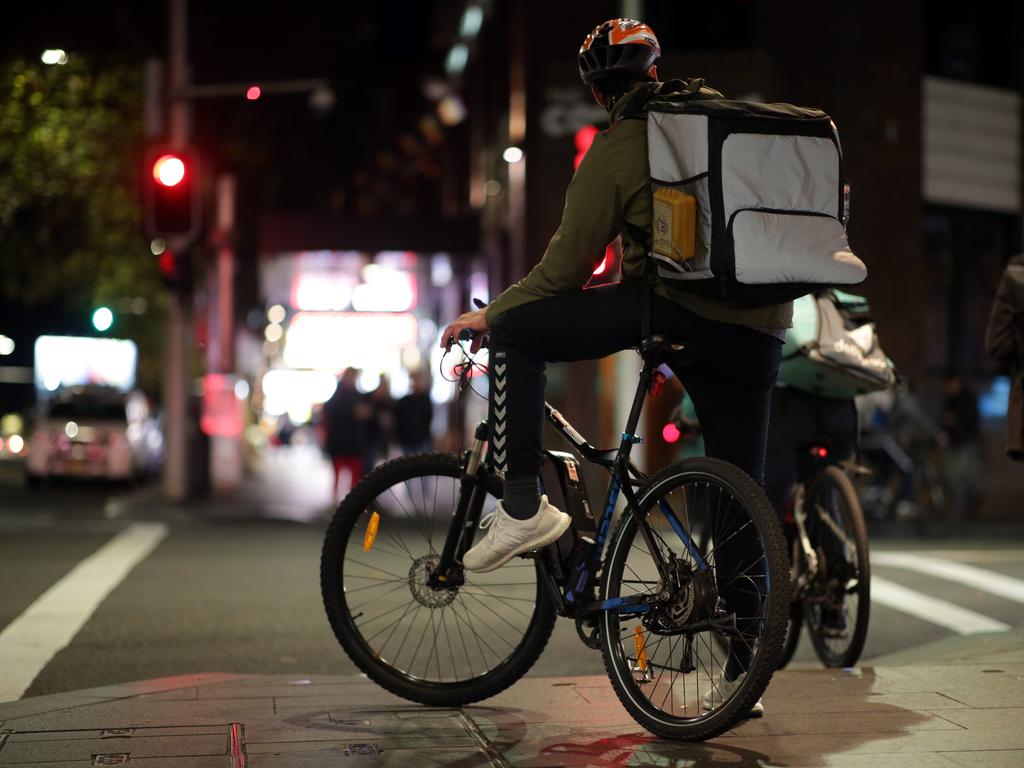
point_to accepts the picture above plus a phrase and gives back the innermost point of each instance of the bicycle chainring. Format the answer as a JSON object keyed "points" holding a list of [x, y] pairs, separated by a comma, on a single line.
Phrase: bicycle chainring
{"points": [[589, 630]]}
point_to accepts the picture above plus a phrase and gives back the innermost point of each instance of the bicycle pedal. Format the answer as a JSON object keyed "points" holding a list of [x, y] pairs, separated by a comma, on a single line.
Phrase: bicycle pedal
{"points": [[641, 674]]}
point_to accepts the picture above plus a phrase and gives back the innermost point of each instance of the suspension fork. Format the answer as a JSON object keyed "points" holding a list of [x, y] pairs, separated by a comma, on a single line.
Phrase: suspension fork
{"points": [[465, 516], [800, 517]]}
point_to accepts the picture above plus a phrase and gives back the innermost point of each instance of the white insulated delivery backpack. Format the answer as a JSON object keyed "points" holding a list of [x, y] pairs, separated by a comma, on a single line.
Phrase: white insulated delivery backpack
{"points": [[749, 199]]}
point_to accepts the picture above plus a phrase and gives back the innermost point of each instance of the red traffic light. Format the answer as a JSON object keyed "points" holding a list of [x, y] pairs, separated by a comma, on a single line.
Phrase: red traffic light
{"points": [[169, 170], [172, 194]]}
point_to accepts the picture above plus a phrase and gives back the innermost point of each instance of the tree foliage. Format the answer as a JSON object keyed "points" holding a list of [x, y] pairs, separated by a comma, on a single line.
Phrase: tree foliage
{"points": [[70, 214], [70, 218]]}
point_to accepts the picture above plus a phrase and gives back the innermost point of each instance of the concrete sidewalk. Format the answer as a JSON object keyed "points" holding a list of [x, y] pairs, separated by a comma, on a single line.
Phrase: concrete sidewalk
{"points": [[965, 710]]}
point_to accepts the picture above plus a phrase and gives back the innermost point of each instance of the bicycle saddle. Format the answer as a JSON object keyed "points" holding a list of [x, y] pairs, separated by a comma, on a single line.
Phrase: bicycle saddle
{"points": [[657, 350]]}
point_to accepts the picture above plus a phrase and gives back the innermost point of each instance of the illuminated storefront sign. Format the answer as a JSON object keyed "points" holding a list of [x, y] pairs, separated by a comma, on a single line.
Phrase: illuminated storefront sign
{"points": [[382, 289], [296, 392], [333, 341], [319, 292]]}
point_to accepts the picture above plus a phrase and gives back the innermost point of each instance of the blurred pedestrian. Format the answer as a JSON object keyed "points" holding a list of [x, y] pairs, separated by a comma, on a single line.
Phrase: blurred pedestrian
{"points": [[961, 435], [345, 418], [380, 408], [1004, 341], [413, 415]]}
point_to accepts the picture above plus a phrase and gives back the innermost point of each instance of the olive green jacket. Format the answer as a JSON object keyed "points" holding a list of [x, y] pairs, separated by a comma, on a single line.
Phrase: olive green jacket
{"points": [[610, 195]]}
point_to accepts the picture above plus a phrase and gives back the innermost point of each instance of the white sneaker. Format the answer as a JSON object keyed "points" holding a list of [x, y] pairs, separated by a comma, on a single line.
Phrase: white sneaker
{"points": [[507, 537], [723, 689]]}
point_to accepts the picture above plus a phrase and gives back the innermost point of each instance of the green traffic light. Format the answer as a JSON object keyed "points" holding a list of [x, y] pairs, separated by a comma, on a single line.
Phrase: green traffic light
{"points": [[102, 319]]}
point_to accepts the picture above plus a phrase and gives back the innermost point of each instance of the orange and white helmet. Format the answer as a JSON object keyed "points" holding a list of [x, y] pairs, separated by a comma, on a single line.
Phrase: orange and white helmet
{"points": [[618, 45]]}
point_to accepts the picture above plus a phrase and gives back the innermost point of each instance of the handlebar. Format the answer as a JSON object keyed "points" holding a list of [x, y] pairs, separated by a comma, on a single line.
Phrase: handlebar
{"points": [[466, 334]]}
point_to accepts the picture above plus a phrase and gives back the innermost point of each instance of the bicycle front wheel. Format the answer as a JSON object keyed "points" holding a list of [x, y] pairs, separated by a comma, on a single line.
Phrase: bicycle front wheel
{"points": [[793, 629], [442, 647], [704, 648], [838, 605]]}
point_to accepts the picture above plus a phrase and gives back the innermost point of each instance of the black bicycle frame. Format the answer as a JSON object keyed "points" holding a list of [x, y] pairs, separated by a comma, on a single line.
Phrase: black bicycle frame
{"points": [[577, 591]]}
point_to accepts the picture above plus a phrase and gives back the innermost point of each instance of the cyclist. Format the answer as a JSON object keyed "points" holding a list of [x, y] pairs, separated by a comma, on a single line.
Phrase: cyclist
{"points": [[548, 317]]}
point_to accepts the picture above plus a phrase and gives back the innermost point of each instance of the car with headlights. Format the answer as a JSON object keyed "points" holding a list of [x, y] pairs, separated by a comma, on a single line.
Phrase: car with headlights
{"points": [[95, 433], [12, 438]]}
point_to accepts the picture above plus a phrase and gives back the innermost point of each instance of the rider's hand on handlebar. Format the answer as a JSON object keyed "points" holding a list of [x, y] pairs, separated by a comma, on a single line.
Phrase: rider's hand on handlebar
{"points": [[475, 322]]}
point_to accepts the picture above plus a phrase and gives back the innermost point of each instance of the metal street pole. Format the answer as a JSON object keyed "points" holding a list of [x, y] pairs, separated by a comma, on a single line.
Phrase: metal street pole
{"points": [[225, 460], [176, 474]]}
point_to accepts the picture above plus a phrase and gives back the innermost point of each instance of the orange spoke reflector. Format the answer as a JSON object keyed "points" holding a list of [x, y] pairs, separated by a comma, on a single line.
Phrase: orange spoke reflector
{"points": [[371, 531], [641, 647]]}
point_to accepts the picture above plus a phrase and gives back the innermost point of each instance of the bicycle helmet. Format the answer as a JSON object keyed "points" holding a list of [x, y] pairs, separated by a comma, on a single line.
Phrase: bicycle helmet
{"points": [[618, 45]]}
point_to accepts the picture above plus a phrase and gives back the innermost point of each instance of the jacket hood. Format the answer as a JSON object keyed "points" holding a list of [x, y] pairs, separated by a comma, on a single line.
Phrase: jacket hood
{"points": [[633, 103]]}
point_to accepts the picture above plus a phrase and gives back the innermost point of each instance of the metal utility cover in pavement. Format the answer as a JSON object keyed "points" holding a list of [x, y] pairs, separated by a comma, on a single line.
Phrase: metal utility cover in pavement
{"points": [[122, 746]]}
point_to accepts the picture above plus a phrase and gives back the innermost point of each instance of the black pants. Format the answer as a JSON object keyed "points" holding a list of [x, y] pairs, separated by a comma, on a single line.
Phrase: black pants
{"points": [[801, 420], [730, 382]]}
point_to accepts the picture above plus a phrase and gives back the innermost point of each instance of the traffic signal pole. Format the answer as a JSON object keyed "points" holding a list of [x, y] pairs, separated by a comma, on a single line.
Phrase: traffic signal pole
{"points": [[176, 474]]}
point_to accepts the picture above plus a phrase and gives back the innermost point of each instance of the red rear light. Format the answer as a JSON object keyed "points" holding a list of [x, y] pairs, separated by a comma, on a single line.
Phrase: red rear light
{"points": [[670, 433], [821, 453]]}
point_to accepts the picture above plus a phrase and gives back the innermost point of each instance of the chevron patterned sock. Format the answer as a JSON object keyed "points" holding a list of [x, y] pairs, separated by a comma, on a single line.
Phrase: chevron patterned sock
{"points": [[499, 395], [522, 498]]}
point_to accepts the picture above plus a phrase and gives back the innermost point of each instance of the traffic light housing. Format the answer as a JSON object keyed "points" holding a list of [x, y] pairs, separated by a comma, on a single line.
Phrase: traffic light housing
{"points": [[172, 194]]}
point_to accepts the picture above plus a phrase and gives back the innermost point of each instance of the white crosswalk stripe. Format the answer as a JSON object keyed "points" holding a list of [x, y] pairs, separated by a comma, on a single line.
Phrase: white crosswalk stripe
{"points": [[979, 578], [29, 642], [963, 621]]}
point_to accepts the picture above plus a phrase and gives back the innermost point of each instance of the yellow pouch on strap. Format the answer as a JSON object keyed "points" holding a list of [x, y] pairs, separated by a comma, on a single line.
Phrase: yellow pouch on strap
{"points": [[674, 227]]}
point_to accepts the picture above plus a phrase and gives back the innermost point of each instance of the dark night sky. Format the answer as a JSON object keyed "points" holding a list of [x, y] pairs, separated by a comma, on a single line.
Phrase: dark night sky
{"points": [[374, 54]]}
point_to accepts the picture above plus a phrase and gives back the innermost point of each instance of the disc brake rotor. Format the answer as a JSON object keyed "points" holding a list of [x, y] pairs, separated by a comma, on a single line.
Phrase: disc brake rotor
{"points": [[421, 591]]}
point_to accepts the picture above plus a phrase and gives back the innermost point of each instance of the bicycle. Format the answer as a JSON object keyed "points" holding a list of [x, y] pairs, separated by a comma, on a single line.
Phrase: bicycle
{"points": [[831, 569], [691, 589]]}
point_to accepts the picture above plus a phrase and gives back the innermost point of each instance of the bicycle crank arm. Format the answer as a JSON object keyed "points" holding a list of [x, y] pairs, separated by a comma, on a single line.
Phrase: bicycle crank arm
{"points": [[724, 624]]}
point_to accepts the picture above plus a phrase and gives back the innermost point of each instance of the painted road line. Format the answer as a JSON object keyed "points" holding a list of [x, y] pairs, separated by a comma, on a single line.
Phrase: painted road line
{"points": [[987, 581], [931, 609], [29, 642], [976, 555]]}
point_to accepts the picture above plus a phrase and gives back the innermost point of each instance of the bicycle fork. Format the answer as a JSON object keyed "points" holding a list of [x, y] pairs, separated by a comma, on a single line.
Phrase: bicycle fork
{"points": [[465, 516]]}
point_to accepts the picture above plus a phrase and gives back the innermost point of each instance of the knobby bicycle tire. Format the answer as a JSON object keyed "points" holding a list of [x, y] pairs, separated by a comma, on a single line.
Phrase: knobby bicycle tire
{"points": [[793, 629], [853, 522], [765, 660], [456, 693]]}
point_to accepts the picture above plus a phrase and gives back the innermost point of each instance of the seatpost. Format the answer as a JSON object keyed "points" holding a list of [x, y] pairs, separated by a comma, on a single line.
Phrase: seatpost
{"points": [[629, 436]]}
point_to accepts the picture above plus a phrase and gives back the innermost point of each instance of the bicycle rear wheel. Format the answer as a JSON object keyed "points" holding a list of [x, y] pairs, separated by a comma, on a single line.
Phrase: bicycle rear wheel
{"points": [[838, 606], [726, 551], [442, 647]]}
